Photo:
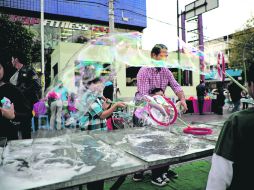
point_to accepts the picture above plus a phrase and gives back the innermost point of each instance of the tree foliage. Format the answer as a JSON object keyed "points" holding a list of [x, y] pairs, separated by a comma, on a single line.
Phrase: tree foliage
{"points": [[16, 40], [242, 47]]}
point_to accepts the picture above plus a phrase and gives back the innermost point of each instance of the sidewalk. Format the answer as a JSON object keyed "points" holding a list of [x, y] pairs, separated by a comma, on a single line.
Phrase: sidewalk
{"points": [[206, 118]]}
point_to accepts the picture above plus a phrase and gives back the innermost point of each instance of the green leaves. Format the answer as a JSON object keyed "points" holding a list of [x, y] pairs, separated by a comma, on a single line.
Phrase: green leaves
{"points": [[15, 40], [242, 47]]}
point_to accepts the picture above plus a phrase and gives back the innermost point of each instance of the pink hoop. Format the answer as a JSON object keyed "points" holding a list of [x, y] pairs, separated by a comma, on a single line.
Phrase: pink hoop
{"points": [[163, 123], [197, 130]]}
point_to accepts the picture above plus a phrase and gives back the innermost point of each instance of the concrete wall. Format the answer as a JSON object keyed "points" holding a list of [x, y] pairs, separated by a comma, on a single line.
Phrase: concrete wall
{"points": [[65, 55]]}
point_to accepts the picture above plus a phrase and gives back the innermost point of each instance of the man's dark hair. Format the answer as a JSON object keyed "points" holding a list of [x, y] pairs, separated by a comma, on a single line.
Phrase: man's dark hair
{"points": [[157, 49], [250, 74]]}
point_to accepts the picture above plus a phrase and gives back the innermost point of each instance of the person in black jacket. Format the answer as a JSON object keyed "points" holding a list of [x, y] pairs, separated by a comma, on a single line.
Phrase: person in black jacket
{"points": [[235, 94], [18, 111], [27, 81], [201, 92], [220, 99]]}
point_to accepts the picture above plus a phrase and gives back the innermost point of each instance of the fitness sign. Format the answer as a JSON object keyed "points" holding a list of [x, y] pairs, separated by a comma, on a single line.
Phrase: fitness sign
{"points": [[59, 24]]}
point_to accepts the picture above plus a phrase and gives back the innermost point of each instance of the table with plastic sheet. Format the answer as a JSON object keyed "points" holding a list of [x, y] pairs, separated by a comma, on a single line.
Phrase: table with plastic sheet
{"points": [[74, 159]]}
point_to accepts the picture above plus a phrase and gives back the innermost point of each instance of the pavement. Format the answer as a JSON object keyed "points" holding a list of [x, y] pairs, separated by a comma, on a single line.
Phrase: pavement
{"points": [[192, 118]]}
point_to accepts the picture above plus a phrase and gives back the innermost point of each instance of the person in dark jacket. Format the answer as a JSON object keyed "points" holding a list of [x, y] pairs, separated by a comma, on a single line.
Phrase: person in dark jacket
{"points": [[220, 99], [235, 94], [27, 81], [201, 92], [17, 112]]}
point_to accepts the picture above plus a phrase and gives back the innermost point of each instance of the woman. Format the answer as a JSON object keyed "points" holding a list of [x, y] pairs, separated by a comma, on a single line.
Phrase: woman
{"points": [[17, 112]]}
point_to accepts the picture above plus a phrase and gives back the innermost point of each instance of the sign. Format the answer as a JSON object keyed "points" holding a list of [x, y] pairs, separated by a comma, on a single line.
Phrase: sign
{"points": [[200, 6], [25, 20], [59, 24]]}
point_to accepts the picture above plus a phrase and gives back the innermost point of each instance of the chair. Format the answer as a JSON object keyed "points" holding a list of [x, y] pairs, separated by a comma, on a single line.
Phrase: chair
{"points": [[40, 117], [33, 125], [40, 110], [62, 122]]}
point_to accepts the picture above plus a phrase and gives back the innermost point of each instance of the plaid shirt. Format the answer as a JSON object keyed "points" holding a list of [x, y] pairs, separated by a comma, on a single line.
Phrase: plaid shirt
{"points": [[149, 78], [91, 119]]}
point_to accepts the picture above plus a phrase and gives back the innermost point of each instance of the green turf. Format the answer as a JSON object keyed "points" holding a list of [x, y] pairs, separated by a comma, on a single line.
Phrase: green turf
{"points": [[192, 176]]}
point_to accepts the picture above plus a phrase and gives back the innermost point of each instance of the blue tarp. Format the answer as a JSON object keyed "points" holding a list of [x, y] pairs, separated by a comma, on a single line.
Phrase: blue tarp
{"points": [[231, 72], [234, 73]]}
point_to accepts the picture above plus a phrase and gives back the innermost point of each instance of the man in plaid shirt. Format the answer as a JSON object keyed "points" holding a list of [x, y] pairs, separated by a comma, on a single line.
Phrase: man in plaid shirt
{"points": [[149, 78], [156, 77]]}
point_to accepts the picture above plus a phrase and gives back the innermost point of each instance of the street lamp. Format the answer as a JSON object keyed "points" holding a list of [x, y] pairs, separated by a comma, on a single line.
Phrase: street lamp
{"points": [[42, 49], [178, 43]]}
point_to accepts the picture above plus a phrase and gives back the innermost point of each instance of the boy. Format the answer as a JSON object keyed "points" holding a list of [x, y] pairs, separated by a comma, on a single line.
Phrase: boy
{"points": [[95, 115], [98, 108]]}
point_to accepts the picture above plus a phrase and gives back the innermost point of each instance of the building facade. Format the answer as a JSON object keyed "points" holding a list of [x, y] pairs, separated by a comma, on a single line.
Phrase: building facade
{"points": [[76, 20]]}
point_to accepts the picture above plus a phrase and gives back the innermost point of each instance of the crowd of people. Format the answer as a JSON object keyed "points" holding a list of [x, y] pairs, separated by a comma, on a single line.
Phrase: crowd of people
{"points": [[229, 94]]}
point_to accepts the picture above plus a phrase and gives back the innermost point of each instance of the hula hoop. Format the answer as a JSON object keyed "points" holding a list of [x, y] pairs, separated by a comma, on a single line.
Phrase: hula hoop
{"points": [[221, 66], [197, 130], [166, 124]]}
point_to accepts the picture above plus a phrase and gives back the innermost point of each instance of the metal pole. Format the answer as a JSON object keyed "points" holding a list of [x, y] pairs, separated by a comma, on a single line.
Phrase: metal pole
{"points": [[111, 19], [111, 16], [186, 72], [42, 49], [178, 43], [201, 44]]}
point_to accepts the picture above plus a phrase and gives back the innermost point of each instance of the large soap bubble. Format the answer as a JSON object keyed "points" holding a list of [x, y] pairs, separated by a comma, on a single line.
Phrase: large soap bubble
{"points": [[102, 58]]}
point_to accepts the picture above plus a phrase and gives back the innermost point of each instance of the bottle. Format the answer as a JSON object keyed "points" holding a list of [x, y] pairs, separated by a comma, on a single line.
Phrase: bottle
{"points": [[6, 103]]}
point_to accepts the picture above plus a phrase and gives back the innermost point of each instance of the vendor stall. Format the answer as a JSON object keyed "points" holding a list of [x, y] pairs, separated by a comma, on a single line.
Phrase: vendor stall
{"points": [[192, 104]]}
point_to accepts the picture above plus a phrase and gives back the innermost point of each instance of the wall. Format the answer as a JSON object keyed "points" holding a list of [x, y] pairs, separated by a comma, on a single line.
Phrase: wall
{"points": [[64, 56]]}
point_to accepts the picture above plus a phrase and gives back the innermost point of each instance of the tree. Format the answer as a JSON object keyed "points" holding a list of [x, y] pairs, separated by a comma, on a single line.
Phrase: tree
{"points": [[17, 41], [242, 47]]}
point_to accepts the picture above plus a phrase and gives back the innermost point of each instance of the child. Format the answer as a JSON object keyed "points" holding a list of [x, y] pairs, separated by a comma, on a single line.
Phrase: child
{"points": [[156, 91], [98, 108], [162, 174], [95, 117], [244, 95]]}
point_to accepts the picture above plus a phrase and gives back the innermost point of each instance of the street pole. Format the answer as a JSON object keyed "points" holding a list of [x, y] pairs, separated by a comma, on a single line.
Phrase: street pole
{"points": [[111, 20], [111, 16], [178, 43], [201, 46], [42, 50]]}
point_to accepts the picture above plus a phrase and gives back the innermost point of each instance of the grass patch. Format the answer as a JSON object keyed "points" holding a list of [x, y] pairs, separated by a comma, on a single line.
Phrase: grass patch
{"points": [[192, 176]]}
